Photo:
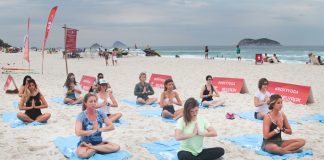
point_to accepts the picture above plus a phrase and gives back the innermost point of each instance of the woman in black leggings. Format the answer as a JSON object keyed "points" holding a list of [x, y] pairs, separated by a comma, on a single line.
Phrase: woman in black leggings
{"points": [[191, 130]]}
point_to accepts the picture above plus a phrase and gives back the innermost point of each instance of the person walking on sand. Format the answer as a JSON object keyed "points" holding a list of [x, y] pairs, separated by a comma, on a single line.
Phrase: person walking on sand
{"points": [[206, 52], [106, 55], [114, 56], [238, 52]]}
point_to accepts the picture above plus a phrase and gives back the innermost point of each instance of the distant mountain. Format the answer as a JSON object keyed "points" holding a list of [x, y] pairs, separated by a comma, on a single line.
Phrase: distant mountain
{"points": [[258, 42], [119, 44]]}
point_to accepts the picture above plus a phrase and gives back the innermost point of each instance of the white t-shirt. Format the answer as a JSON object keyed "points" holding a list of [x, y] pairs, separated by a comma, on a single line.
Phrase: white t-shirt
{"points": [[261, 96], [77, 95], [105, 109]]}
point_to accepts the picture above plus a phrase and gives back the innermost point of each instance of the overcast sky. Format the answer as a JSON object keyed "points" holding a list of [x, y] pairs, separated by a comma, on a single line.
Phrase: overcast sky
{"points": [[165, 22]]}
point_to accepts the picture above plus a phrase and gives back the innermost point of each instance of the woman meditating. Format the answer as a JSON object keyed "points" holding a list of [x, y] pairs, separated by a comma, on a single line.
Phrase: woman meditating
{"points": [[275, 123], [191, 130], [72, 90], [208, 92], [88, 127], [143, 90], [32, 102], [261, 99], [23, 88], [168, 98], [107, 100]]}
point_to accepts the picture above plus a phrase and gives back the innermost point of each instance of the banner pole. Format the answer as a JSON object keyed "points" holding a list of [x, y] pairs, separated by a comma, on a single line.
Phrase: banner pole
{"points": [[65, 53]]}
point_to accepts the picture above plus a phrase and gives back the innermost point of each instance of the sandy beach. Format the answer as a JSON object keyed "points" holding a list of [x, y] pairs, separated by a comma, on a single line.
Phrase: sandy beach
{"points": [[188, 74]]}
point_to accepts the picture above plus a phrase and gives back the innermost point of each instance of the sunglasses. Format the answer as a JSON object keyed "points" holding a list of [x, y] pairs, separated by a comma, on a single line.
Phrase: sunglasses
{"points": [[209, 79]]}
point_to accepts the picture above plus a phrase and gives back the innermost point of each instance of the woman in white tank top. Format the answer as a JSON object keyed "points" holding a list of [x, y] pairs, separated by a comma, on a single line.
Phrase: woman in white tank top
{"points": [[107, 100]]}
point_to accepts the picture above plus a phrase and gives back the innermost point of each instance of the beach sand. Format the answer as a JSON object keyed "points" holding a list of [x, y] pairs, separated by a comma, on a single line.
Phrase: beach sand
{"points": [[188, 74]]}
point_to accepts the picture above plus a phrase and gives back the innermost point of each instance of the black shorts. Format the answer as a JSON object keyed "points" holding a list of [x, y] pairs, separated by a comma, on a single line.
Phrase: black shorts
{"points": [[256, 115], [33, 113], [169, 109]]}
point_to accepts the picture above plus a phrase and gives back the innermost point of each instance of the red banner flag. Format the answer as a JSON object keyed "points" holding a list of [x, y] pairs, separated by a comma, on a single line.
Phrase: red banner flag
{"points": [[86, 82], [230, 85], [26, 44], [157, 80], [48, 27], [70, 40], [8, 81]]}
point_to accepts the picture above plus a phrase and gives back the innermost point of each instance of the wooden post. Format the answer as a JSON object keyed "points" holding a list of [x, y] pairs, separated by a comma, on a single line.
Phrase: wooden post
{"points": [[65, 53]]}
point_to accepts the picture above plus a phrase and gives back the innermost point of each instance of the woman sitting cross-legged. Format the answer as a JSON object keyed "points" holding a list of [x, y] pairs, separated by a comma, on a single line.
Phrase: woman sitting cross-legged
{"points": [[168, 98], [88, 127], [275, 123], [106, 100], [32, 102], [191, 130], [208, 92]]}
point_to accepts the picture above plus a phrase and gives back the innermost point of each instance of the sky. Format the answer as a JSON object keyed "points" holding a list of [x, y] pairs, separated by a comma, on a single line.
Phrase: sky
{"points": [[164, 22]]}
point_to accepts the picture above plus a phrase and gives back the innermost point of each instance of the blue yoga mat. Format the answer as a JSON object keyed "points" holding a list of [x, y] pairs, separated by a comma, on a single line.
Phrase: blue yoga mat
{"points": [[250, 116], [155, 113], [163, 150], [254, 142], [60, 100], [11, 118], [133, 103], [316, 117], [68, 145], [120, 122], [15, 104]]}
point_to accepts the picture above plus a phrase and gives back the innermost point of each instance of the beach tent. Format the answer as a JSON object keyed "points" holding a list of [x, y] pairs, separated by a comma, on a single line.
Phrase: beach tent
{"points": [[94, 48]]}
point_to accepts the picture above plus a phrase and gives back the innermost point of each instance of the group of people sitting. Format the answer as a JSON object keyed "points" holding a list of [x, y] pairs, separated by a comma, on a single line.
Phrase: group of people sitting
{"points": [[314, 59], [272, 59], [191, 128]]}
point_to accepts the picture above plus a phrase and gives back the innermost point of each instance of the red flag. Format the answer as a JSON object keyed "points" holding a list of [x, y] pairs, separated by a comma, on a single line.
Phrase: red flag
{"points": [[70, 40], [48, 25], [26, 44]]}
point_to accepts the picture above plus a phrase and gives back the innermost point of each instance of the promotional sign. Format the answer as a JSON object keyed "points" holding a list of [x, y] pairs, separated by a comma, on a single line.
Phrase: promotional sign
{"points": [[26, 44], [292, 93], [70, 40], [8, 81], [86, 82], [157, 80], [230, 85]]}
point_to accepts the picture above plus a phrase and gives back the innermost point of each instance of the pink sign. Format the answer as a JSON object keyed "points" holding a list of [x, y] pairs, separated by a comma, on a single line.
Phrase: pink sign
{"points": [[8, 81], [157, 80], [86, 82], [292, 93], [230, 85]]}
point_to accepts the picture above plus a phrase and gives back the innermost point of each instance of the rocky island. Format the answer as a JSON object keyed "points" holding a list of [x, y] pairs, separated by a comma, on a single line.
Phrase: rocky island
{"points": [[258, 42]]}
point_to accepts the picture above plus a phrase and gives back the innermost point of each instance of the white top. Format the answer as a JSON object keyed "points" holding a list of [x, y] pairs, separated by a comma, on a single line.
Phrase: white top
{"points": [[261, 96], [105, 109], [65, 89]]}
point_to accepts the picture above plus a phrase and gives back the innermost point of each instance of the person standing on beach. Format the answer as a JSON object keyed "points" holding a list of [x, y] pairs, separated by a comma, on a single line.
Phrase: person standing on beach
{"points": [[238, 52], [106, 55], [114, 56], [206, 52], [191, 130]]}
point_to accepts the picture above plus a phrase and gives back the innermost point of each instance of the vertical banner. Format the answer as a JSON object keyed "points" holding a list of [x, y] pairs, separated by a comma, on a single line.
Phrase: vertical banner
{"points": [[26, 44], [70, 40], [47, 29]]}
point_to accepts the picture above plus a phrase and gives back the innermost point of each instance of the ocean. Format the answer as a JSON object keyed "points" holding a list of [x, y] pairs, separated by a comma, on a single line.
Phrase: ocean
{"points": [[286, 54]]}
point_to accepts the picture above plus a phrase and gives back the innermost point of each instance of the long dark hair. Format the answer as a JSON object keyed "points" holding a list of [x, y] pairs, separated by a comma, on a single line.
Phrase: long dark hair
{"points": [[189, 104], [85, 99], [68, 80], [166, 83], [273, 99], [26, 77]]}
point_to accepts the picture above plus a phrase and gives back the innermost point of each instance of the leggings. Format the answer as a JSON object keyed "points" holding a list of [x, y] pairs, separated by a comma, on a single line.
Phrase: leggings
{"points": [[205, 154]]}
